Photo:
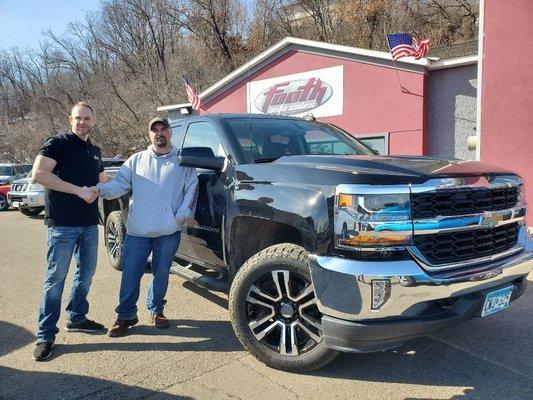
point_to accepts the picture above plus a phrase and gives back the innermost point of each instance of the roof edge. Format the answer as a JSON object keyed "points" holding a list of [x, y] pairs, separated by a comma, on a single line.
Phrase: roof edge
{"points": [[430, 65]]}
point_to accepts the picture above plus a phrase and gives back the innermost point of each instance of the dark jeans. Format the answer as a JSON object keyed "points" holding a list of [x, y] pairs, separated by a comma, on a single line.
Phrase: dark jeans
{"points": [[136, 252], [63, 241]]}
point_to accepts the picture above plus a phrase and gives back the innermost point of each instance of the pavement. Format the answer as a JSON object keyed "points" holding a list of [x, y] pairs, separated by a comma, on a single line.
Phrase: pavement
{"points": [[199, 357]]}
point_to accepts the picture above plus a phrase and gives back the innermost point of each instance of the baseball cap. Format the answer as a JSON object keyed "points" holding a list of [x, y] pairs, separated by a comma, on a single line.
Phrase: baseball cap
{"points": [[159, 120]]}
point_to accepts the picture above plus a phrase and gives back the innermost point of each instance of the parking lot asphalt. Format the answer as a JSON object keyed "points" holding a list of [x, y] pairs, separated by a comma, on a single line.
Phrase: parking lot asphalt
{"points": [[199, 357]]}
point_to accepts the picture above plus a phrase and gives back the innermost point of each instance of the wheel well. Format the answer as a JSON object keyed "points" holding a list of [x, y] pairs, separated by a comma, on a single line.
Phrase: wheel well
{"points": [[251, 235], [109, 207]]}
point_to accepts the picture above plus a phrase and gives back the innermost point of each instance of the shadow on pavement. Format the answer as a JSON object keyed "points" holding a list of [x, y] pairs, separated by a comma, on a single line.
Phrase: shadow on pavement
{"points": [[426, 361], [214, 336], [13, 337], [206, 294], [26, 385], [17, 384]]}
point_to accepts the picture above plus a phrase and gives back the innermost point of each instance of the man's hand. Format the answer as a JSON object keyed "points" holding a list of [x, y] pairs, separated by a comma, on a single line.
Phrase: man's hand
{"points": [[179, 221], [88, 194]]}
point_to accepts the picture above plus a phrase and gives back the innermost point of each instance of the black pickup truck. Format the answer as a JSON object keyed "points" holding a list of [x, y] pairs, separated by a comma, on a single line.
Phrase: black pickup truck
{"points": [[324, 246]]}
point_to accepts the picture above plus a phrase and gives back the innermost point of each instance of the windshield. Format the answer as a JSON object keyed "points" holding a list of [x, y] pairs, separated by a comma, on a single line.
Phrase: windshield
{"points": [[5, 170], [265, 140]]}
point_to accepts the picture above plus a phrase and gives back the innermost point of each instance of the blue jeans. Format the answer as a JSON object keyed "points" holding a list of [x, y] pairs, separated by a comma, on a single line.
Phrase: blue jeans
{"points": [[136, 252], [63, 241]]}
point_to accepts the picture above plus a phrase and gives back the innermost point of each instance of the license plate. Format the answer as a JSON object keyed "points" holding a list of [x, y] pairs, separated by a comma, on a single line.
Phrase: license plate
{"points": [[15, 204], [497, 301]]}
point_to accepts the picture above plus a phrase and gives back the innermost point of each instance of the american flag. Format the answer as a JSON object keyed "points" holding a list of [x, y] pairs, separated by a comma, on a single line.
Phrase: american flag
{"points": [[192, 95], [403, 45]]}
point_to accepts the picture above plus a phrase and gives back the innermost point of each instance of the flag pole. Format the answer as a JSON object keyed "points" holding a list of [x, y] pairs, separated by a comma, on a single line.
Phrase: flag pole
{"points": [[404, 90]]}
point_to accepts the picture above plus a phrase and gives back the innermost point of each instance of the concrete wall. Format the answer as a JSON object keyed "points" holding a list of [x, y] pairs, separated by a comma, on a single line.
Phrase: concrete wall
{"points": [[507, 89], [451, 116], [373, 99]]}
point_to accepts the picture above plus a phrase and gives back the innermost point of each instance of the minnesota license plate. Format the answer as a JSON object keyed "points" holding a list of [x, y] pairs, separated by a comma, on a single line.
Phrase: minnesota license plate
{"points": [[497, 301]]}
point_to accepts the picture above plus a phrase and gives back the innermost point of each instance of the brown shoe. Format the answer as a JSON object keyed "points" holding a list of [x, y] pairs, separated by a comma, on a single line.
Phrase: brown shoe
{"points": [[160, 321], [121, 326]]}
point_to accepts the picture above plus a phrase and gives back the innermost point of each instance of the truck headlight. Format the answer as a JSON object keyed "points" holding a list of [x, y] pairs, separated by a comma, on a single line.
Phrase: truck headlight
{"points": [[366, 221]]}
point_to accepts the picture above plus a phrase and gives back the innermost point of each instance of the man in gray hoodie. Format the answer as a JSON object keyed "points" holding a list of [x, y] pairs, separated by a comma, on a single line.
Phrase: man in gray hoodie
{"points": [[164, 195]]}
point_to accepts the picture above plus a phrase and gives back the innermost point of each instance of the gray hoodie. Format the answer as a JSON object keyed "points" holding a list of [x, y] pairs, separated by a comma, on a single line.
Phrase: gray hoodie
{"points": [[164, 193]]}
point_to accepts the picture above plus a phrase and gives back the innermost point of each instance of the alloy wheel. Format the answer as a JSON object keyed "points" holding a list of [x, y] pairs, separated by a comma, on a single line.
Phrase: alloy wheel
{"points": [[112, 243], [282, 313]]}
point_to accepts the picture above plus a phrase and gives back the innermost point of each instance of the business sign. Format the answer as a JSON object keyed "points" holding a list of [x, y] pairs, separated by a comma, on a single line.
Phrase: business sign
{"points": [[319, 92]]}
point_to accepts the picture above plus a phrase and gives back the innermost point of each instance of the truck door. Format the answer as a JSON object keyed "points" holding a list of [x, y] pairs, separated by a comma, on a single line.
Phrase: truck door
{"points": [[201, 236]]}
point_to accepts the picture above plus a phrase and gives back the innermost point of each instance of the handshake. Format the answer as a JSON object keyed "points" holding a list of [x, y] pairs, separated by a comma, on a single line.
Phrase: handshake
{"points": [[89, 194]]}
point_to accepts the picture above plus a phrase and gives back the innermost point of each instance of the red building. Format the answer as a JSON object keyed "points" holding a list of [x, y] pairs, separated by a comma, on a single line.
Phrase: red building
{"points": [[433, 106]]}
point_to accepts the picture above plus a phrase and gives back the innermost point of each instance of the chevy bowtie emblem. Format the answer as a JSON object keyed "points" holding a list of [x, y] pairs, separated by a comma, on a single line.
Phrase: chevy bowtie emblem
{"points": [[486, 275], [491, 219]]}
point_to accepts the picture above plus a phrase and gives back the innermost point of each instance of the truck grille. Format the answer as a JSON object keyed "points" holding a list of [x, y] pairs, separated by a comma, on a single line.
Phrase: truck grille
{"points": [[452, 247], [462, 201]]}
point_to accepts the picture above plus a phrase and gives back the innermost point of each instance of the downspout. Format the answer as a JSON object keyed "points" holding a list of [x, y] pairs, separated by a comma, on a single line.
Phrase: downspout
{"points": [[481, 45]]}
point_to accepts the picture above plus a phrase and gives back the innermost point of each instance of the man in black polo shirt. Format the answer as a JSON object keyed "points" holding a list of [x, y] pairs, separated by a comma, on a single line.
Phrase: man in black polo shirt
{"points": [[67, 165]]}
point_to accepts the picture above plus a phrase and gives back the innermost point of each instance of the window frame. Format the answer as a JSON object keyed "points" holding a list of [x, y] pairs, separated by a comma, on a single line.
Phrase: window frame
{"points": [[376, 135]]}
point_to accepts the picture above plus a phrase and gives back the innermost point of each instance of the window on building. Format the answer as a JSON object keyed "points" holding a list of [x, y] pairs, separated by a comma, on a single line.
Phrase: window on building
{"points": [[378, 142]]}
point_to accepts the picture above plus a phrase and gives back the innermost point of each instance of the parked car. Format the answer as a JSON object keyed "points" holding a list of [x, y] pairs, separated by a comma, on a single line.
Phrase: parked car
{"points": [[324, 246], [4, 203], [27, 196], [10, 172]]}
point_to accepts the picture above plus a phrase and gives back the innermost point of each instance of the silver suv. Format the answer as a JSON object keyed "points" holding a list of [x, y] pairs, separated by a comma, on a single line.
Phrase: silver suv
{"points": [[28, 197]]}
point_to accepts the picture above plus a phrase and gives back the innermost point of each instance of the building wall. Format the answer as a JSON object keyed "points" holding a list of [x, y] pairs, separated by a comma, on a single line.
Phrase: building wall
{"points": [[373, 99], [507, 89], [451, 115]]}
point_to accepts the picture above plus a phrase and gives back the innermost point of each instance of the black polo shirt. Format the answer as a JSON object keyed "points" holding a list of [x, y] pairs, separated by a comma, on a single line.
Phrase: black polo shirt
{"points": [[79, 163]]}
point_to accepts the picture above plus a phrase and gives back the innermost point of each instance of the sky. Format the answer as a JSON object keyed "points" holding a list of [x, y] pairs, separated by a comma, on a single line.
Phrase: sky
{"points": [[23, 21]]}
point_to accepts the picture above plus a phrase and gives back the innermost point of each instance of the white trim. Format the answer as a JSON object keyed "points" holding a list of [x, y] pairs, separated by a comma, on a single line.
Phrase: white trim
{"points": [[479, 103], [291, 43], [452, 62], [173, 107]]}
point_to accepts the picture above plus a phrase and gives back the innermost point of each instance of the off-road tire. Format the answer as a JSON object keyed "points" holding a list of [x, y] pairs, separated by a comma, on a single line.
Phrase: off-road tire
{"points": [[114, 238], [30, 212], [287, 257]]}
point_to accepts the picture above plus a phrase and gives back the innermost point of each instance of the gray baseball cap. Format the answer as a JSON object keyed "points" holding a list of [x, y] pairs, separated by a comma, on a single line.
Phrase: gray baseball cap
{"points": [[158, 120]]}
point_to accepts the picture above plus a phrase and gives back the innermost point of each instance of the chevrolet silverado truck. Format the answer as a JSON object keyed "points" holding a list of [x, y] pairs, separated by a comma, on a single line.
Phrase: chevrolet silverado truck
{"points": [[324, 246]]}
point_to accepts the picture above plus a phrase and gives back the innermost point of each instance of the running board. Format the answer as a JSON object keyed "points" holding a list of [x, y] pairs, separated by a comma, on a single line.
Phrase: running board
{"points": [[219, 284]]}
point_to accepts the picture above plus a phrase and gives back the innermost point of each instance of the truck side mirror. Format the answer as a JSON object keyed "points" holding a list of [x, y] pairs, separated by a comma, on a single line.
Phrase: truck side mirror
{"points": [[200, 157]]}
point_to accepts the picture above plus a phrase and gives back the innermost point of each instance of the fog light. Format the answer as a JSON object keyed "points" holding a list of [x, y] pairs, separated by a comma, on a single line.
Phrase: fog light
{"points": [[380, 293]]}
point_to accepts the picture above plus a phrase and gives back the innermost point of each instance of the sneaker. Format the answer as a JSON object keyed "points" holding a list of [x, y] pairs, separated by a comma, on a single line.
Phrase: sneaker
{"points": [[42, 351], [87, 326], [160, 321], [121, 326]]}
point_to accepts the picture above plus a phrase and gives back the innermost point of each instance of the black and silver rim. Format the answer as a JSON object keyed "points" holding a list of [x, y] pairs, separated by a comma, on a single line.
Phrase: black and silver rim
{"points": [[3, 202], [113, 245], [282, 313]]}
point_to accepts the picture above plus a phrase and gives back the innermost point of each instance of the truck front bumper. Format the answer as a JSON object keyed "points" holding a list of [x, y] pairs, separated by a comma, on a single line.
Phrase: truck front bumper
{"points": [[416, 301], [29, 199]]}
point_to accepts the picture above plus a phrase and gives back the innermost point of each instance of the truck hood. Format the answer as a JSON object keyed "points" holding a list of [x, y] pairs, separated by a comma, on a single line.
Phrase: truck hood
{"points": [[388, 170], [22, 180]]}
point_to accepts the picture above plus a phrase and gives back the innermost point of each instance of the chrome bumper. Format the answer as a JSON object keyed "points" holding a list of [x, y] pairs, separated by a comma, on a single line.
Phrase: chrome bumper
{"points": [[30, 199], [344, 286]]}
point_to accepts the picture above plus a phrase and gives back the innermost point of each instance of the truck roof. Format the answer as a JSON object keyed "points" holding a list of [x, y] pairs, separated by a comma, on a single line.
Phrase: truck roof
{"points": [[241, 115]]}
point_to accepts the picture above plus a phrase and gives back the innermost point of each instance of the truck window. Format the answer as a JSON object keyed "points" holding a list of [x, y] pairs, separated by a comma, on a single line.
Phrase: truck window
{"points": [[203, 134], [264, 140]]}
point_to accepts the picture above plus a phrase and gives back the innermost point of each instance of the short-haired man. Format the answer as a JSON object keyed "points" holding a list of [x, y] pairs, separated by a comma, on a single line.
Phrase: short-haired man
{"points": [[67, 165], [164, 195]]}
